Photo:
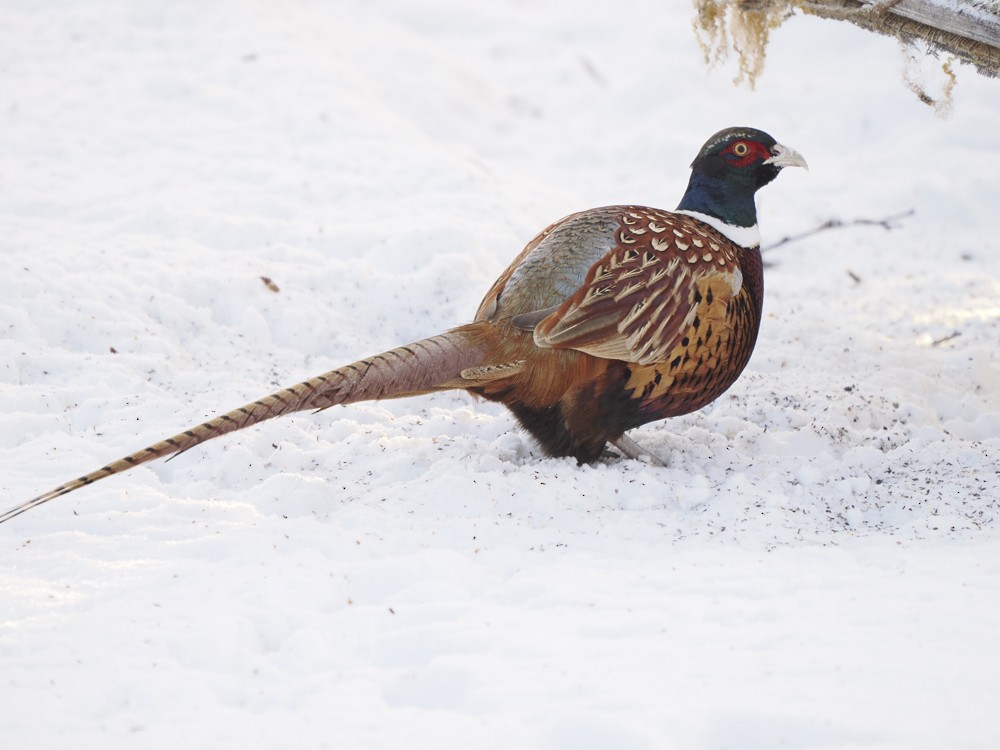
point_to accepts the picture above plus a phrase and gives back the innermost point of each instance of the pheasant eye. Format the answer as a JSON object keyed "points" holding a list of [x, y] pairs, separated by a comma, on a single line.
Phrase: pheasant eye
{"points": [[741, 149]]}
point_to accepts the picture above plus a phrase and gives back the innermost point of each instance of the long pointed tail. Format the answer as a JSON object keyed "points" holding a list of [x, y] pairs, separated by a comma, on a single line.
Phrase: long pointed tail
{"points": [[429, 365]]}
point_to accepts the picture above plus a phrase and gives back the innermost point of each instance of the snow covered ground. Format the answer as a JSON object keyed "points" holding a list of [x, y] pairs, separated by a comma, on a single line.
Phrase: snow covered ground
{"points": [[819, 567]]}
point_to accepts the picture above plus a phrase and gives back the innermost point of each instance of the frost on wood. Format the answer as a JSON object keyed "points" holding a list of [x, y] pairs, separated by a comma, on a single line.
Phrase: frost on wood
{"points": [[722, 25], [967, 29], [916, 74]]}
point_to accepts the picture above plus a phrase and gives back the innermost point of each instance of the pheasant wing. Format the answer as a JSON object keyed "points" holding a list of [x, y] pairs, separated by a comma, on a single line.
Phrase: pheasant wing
{"points": [[638, 302]]}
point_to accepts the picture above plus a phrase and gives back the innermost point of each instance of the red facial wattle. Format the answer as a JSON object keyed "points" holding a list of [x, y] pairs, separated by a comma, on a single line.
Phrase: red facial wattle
{"points": [[744, 153]]}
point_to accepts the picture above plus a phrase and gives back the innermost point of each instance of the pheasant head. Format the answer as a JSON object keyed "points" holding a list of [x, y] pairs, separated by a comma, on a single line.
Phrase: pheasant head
{"points": [[730, 168]]}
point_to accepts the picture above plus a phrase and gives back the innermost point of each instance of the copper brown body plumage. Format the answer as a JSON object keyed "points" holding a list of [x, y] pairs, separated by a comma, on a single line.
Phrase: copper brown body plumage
{"points": [[608, 319], [663, 322]]}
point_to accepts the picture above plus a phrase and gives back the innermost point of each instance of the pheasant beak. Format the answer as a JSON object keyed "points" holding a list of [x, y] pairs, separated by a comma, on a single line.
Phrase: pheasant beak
{"points": [[786, 157]]}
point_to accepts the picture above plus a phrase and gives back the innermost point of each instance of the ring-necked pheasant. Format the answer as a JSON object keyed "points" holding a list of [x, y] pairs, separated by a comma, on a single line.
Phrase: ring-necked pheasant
{"points": [[609, 319]]}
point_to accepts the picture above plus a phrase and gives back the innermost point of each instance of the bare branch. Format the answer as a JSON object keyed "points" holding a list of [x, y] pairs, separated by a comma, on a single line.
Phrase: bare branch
{"points": [[967, 29], [888, 223]]}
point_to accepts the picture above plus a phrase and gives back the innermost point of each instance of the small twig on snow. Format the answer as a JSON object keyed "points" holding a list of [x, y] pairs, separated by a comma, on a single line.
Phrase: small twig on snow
{"points": [[888, 223], [943, 339]]}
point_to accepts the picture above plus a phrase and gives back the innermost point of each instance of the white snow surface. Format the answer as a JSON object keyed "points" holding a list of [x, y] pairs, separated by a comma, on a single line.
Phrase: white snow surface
{"points": [[818, 567]]}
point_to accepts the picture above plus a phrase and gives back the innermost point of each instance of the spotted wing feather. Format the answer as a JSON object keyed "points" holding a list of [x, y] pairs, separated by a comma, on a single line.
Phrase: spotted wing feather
{"points": [[639, 300]]}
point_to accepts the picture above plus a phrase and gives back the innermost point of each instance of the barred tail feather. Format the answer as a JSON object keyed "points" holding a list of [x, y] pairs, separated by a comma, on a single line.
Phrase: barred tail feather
{"points": [[429, 365]]}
